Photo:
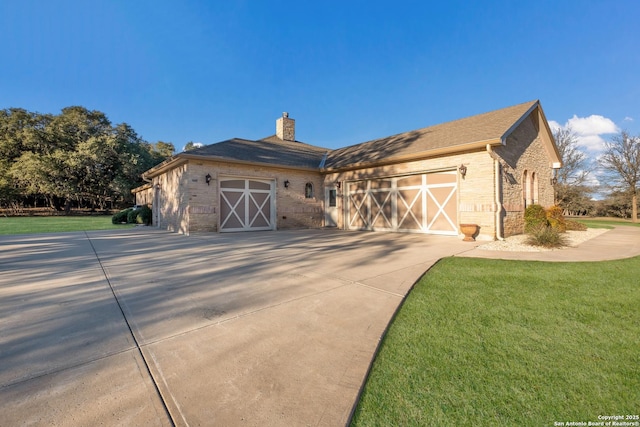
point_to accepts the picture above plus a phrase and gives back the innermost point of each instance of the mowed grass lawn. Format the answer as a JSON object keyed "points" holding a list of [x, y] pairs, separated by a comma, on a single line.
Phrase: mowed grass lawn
{"points": [[492, 342], [55, 224]]}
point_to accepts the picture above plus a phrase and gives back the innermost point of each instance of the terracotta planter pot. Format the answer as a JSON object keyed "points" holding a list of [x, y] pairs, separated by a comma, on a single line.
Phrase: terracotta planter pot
{"points": [[469, 230]]}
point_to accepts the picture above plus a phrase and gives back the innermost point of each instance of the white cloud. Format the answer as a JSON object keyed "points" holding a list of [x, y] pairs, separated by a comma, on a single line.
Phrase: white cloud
{"points": [[628, 119], [589, 130], [592, 125]]}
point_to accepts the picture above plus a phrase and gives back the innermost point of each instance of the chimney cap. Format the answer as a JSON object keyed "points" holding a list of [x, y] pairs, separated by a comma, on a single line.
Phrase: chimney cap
{"points": [[285, 114]]}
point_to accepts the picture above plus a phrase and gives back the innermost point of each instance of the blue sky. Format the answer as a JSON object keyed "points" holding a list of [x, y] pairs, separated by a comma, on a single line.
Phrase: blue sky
{"points": [[347, 71]]}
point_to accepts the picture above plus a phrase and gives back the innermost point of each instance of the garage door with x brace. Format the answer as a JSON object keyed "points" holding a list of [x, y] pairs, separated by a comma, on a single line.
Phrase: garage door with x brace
{"points": [[246, 204], [425, 203]]}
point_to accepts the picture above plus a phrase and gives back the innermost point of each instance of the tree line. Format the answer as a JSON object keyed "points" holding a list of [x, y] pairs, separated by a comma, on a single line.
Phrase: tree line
{"points": [[73, 159], [616, 171]]}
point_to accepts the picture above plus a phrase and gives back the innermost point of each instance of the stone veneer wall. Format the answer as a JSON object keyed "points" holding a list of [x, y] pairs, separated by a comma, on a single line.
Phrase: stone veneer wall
{"points": [[524, 150]]}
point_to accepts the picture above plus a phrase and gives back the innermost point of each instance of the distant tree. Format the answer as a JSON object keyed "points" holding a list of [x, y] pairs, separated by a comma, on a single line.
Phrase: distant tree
{"points": [[74, 157], [621, 162], [164, 149], [616, 204], [192, 145], [571, 192]]}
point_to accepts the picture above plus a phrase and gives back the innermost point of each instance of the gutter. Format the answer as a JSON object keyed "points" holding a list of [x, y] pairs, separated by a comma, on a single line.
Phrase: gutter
{"points": [[496, 174]]}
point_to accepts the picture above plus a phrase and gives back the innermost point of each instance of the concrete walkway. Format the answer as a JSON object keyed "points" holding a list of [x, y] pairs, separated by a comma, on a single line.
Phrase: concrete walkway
{"points": [[143, 327], [620, 242]]}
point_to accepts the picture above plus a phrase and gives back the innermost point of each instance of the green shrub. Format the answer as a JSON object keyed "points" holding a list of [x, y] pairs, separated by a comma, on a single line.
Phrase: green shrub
{"points": [[575, 225], [132, 216], [535, 217], [121, 217], [547, 237], [144, 215], [556, 219]]}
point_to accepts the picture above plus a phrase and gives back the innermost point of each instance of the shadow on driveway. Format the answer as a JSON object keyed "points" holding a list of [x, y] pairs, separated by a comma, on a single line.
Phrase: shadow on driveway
{"points": [[267, 328]]}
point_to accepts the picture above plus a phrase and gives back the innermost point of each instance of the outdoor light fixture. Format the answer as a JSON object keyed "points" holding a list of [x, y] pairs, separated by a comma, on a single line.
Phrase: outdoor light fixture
{"points": [[554, 180], [463, 170], [338, 184], [286, 184], [207, 179]]}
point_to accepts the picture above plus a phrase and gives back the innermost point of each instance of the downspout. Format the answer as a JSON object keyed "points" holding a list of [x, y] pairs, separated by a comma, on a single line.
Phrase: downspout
{"points": [[497, 201]]}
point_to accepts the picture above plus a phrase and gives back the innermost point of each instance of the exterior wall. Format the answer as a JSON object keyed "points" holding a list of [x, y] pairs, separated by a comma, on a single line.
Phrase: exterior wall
{"points": [[476, 195], [172, 194], [524, 151], [293, 210], [144, 195]]}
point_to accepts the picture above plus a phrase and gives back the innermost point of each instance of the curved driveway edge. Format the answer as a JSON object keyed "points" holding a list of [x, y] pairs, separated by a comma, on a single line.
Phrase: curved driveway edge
{"points": [[268, 328]]}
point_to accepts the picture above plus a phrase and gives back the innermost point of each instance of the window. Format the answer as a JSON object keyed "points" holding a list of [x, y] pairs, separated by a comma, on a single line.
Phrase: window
{"points": [[529, 188], [332, 198], [308, 190]]}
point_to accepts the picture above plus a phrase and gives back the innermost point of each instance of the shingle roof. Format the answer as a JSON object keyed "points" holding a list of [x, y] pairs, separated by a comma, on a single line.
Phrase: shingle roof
{"points": [[271, 150], [458, 133]]}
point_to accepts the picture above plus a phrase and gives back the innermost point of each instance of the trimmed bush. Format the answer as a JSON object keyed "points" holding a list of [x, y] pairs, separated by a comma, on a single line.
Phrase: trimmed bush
{"points": [[547, 237], [556, 219], [132, 216], [535, 217], [121, 217], [144, 215]]}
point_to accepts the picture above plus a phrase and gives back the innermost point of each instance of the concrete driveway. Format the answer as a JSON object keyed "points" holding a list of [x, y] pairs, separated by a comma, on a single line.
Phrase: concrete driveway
{"points": [[144, 327]]}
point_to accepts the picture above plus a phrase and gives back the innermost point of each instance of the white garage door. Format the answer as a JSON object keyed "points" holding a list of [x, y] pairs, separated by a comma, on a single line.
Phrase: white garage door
{"points": [[246, 204], [425, 203]]}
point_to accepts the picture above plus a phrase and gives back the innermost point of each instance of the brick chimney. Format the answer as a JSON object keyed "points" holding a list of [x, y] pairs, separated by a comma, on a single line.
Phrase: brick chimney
{"points": [[286, 128]]}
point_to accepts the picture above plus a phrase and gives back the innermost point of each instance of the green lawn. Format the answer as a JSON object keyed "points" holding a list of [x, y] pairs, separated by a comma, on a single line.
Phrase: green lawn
{"points": [[492, 342], [54, 224], [607, 222]]}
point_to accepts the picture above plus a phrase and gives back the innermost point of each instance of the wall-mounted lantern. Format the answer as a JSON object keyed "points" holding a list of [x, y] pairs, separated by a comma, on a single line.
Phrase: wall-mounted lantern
{"points": [[463, 170], [339, 184], [554, 180], [207, 179], [286, 183]]}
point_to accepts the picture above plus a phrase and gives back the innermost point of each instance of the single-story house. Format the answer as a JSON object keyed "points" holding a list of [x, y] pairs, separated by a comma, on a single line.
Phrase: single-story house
{"points": [[483, 169]]}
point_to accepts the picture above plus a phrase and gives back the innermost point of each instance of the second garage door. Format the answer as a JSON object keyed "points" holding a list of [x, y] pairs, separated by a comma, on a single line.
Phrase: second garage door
{"points": [[426, 203], [246, 204]]}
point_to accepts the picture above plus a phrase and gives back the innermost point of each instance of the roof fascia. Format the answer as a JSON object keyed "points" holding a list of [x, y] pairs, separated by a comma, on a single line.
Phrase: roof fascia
{"points": [[549, 141], [169, 164], [245, 162], [477, 145], [519, 121]]}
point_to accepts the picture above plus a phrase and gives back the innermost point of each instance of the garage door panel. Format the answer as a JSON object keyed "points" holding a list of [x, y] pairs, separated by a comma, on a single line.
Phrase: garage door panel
{"points": [[259, 185], [246, 205], [233, 183], [416, 203], [441, 178], [409, 181]]}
